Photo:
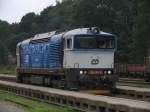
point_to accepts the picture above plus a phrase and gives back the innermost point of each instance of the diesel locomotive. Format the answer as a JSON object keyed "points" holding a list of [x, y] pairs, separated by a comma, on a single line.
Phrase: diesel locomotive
{"points": [[80, 59]]}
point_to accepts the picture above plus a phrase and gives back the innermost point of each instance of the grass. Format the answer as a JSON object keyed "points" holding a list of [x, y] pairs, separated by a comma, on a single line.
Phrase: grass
{"points": [[32, 105], [7, 69]]}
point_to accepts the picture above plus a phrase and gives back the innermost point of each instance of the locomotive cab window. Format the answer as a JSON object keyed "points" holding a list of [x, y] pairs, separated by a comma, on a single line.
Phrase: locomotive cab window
{"points": [[94, 43], [69, 43]]}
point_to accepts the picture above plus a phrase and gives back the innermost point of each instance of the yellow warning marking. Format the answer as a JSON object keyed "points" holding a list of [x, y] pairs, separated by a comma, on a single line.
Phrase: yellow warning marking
{"points": [[96, 91]]}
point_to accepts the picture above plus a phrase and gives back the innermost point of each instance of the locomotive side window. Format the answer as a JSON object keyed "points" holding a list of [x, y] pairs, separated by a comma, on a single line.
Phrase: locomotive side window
{"points": [[69, 43]]}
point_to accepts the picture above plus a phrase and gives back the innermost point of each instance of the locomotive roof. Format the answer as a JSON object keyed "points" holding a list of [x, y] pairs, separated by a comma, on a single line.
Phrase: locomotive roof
{"points": [[44, 35], [79, 31], [82, 31], [25, 41]]}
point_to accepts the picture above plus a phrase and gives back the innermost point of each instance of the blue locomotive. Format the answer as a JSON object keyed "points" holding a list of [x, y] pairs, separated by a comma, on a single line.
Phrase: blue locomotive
{"points": [[81, 59]]}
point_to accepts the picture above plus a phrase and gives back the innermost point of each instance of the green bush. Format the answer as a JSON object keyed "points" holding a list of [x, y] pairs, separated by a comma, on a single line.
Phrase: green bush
{"points": [[7, 69]]}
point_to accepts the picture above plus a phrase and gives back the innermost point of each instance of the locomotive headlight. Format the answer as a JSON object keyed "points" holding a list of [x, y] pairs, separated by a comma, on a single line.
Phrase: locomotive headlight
{"points": [[109, 72], [105, 72], [81, 72], [85, 72]]}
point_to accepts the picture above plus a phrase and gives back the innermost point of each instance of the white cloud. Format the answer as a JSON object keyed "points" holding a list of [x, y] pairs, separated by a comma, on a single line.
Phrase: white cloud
{"points": [[14, 10]]}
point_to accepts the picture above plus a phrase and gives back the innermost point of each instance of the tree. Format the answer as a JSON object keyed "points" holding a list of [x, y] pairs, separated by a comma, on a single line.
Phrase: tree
{"points": [[128, 19], [141, 30], [29, 23]]}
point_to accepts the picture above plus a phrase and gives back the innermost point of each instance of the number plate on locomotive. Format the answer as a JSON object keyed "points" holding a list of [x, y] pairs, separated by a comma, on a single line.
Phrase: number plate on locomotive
{"points": [[95, 72]]}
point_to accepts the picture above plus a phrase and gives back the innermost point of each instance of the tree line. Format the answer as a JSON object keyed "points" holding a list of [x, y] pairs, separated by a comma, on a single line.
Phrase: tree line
{"points": [[128, 19]]}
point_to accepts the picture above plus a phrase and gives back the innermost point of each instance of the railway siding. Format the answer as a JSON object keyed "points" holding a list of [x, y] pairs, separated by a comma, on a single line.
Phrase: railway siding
{"points": [[138, 93], [79, 101], [8, 77]]}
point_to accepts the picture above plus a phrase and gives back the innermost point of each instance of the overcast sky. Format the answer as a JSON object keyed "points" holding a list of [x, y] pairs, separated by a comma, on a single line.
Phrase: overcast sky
{"points": [[13, 10]]}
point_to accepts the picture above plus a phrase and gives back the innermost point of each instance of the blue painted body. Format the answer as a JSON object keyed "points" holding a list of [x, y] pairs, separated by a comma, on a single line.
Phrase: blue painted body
{"points": [[25, 55], [36, 55], [42, 54], [55, 53]]}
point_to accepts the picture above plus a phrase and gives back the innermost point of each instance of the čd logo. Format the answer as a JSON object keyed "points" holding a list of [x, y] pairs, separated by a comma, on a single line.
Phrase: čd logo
{"points": [[95, 61]]}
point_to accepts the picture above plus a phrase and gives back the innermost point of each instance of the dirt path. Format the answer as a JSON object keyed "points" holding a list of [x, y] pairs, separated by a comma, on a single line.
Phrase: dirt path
{"points": [[10, 107]]}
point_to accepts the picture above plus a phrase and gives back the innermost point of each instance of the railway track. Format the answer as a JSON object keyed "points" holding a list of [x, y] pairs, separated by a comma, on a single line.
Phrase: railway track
{"points": [[11, 78], [133, 82], [136, 93], [75, 100]]}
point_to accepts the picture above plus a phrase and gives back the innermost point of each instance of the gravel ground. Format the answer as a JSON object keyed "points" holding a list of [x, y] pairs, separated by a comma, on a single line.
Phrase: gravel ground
{"points": [[10, 107]]}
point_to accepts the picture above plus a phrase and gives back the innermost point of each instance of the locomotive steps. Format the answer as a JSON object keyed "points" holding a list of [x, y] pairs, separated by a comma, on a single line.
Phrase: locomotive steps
{"points": [[79, 101]]}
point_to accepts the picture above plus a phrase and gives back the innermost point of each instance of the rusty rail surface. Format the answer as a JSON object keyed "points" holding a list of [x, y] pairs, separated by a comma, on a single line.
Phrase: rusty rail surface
{"points": [[75, 100]]}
